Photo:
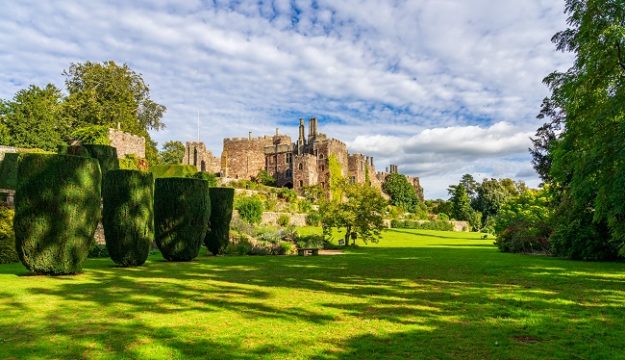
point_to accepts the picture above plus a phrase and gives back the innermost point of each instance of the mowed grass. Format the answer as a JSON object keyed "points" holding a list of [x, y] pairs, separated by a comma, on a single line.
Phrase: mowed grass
{"points": [[416, 294]]}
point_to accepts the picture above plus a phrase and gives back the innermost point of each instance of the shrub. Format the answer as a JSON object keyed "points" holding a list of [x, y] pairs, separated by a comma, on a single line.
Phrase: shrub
{"points": [[209, 177], [313, 218], [57, 209], [286, 248], [181, 214], [105, 154], [127, 215], [310, 241], [284, 220], [440, 225], [171, 170], [264, 178], [250, 209], [7, 237], [218, 234], [98, 251], [523, 223]]}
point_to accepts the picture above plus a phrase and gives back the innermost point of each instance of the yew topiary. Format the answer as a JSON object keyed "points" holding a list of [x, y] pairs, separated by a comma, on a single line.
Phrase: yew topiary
{"points": [[218, 234], [127, 215], [57, 209], [181, 213]]}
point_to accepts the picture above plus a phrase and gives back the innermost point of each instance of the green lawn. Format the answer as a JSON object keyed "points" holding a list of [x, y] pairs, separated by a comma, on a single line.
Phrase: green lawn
{"points": [[417, 294]]}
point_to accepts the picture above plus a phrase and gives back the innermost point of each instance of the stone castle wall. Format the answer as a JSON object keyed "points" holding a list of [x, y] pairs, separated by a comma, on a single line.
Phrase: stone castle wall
{"points": [[244, 158], [127, 144], [305, 171]]}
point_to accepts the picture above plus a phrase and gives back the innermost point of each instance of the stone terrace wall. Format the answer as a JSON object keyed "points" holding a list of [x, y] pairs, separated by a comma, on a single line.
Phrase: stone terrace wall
{"points": [[127, 144]]}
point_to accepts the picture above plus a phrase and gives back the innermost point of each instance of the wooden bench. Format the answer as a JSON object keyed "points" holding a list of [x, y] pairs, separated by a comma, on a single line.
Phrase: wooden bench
{"points": [[307, 251]]}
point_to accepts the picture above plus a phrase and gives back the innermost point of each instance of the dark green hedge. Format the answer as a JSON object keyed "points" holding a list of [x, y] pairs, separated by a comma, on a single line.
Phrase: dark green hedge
{"points": [[8, 171], [218, 234], [181, 214], [57, 209], [127, 215], [106, 155]]}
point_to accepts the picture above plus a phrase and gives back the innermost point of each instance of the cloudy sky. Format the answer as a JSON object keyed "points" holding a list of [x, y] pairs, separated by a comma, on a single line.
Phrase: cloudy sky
{"points": [[439, 87]]}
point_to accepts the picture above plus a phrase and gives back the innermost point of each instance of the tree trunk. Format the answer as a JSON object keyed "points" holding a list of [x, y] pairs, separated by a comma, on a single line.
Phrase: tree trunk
{"points": [[348, 232]]}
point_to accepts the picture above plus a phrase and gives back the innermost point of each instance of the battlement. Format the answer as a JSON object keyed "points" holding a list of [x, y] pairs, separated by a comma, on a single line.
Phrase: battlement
{"points": [[252, 139]]}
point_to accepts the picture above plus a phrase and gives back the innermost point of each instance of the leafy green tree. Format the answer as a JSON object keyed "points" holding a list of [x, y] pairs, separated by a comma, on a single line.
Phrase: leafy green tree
{"points": [[173, 153], [460, 203], [491, 194], [34, 119], [470, 185], [359, 213], [579, 149], [400, 190], [110, 94]]}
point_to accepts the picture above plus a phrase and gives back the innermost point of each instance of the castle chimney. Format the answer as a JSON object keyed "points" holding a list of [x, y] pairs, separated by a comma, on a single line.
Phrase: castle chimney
{"points": [[301, 141], [312, 133]]}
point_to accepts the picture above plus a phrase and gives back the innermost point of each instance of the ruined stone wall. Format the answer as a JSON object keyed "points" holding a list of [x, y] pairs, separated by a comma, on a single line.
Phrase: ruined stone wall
{"points": [[127, 144], [415, 182], [244, 158], [195, 154], [304, 171]]}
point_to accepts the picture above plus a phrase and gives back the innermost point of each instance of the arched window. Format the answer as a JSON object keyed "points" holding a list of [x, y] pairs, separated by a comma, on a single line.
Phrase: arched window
{"points": [[321, 156], [289, 173], [300, 166], [323, 168], [194, 157], [301, 183], [203, 165]]}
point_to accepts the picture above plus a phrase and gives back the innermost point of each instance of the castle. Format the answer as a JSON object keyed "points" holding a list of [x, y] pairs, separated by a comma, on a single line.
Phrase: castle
{"points": [[296, 165]]}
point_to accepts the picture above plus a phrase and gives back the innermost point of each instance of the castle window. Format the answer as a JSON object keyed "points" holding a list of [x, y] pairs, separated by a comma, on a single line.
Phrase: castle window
{"points": [[194, 157], [321, 156], [301, 183], [300, 166], [289, 173], [353, 179], [289, 158], [203, 165], [322, 168]]}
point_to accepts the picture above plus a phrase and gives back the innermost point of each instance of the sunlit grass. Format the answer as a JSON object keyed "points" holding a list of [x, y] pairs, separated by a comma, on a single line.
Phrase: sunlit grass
{"points": [[416, 294]]}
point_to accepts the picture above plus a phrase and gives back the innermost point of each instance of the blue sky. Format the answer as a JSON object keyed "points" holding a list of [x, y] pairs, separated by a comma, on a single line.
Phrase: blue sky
{"points": [[440, 87]]}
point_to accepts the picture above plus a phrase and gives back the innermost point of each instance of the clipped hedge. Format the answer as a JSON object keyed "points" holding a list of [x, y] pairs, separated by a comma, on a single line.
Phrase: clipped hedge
{"points": [[105, 154], [127, 215], [181, 214], [173, 170], [57, 209], [8, 254], [8, 171], [218, 235]]}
